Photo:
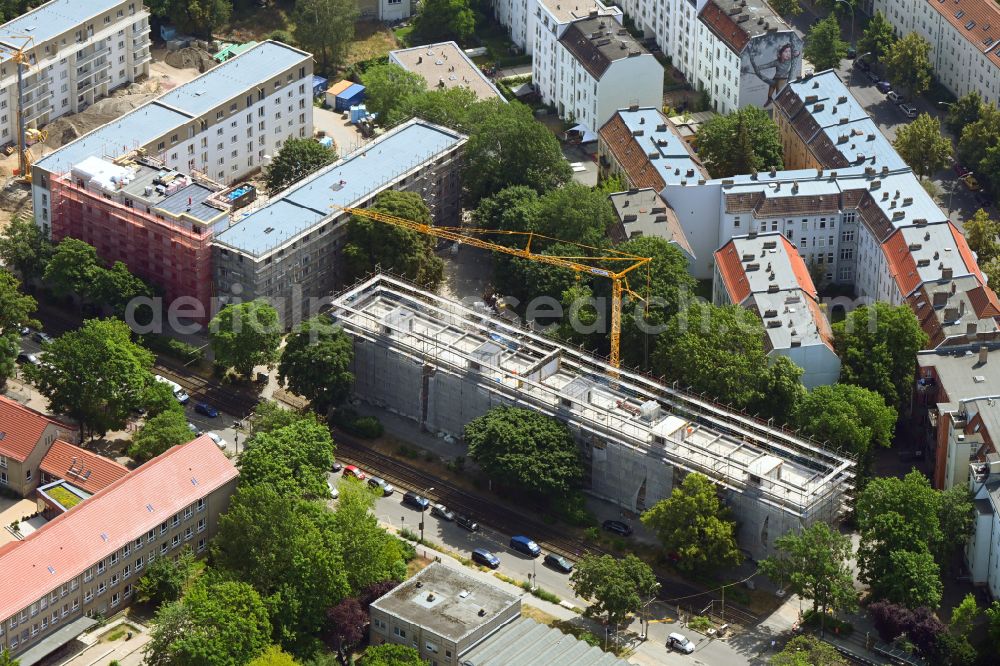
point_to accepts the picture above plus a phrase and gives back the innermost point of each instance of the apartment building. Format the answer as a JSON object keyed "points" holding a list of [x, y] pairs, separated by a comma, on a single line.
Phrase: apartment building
{"points": [[26, 437], [527, 20], [289, 250], [84, 562], [222, 125], [77, 52], [444, 66], [387, 11], [642, 213], [964, 36], [639, 145], [596, 68], [766, 274], [982, 553]]}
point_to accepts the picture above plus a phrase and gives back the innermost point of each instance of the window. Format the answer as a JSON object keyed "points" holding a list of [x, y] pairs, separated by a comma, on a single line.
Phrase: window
{"points": [[176, 541], [736, 221], [88, 575], [127, 571], [164, 548], [201, 504], [201, 525], [114, 579], [3, 462], [201, 545], [114, 558], [88, 596], [398, 632], [847, 236], [188, 533], [116, 599], [138, 565], [101, 587], [27, 475], [100, 567], [150, 536], [187, 512], [126, 550], [846, 273], [176, 520]]}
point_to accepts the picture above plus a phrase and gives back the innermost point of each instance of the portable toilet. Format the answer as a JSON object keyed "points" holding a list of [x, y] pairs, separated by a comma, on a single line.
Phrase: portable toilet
{"points": [[358, 113]]}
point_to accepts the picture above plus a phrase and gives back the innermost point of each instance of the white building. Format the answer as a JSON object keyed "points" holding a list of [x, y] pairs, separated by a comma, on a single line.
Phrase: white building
{"points": [[597, 69], [79, 51], [387, 10], [223, 124], [527, 19], [446, 65], [766, 274], [964, 37]]}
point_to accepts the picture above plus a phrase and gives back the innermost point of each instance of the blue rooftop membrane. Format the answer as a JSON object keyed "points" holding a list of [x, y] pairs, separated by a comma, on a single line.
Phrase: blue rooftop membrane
{"points": [[234, 77], [53, 19], [134, 129], [675, 160], [347, 182]]}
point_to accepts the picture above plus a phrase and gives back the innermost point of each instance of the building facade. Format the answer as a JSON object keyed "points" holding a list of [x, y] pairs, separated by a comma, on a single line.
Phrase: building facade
{"points": [[78, 52], [25, 438], [85, 562]]}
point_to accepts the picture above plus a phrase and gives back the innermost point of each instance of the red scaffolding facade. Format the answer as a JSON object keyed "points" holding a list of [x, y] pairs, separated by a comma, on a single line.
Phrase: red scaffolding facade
{"points": [[168, 255]]}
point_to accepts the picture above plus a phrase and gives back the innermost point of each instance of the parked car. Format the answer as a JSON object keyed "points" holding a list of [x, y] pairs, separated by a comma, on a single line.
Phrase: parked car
{"points": [[179, 393], [42, 337], [873, 76], [219, 442], [382, 485], [418, 502], [351, 470], [334, 491], [193, 428], [618, 527], [441, 511], [465, 522], [883, 87], [206, 409], [680, 643], [485, 558], [558, 562], [23, 358], [852, 53], [895, 97], [336, 467], [523, 544], [862, 65], [970, 182], [25, 331], [908, 110]]}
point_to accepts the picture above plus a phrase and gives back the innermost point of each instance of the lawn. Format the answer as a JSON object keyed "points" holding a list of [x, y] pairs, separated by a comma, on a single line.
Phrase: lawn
{"points": [[119, 632], [371, 40]]}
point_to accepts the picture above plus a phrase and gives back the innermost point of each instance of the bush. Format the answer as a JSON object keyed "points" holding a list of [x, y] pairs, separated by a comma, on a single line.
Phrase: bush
{"points": [[811, 618], [700, 623], [407, 549], [572, 509], [282, 36], [348, 420], [172, 347]]}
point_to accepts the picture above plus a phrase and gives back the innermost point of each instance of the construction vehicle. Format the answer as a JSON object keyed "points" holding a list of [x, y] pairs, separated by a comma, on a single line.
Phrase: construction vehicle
{"points": [[621, 262], [20, 58]]}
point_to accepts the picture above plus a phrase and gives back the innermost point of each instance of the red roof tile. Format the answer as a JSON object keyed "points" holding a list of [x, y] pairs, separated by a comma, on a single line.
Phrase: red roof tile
{"points": [[978, 21], [724, 27], [799, 268], [968, 258], [727, 260], [20, 429], [115, 516], [630, 155], [902, 267], [84, 469], [984, 301]]}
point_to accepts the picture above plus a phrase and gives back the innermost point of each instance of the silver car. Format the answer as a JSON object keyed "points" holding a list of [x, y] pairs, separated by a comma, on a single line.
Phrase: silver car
{"points": [[376, 483], [441, 511]]}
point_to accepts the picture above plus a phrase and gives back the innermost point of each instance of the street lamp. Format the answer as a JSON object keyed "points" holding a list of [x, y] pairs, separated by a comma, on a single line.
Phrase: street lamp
{"points": [[851, 5], [425, 493]]}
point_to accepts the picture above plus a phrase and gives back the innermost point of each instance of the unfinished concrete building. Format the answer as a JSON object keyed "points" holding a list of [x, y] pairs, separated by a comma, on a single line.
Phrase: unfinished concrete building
{"points": [[442, 365]]}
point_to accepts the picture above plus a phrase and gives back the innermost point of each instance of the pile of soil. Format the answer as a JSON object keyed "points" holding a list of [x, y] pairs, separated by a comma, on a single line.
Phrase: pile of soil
{"points": [[191, 57]]}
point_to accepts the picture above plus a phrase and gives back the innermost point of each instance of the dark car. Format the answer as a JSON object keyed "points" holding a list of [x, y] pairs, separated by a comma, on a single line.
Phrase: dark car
{"points": [[618, 527], [416, 501], [336, 467], [523, 544], [467, 523], [558, 562], [852, 53], [862, 65], [206, 409], [873, 76], [42, 337], [486, 558], [883, 87]]}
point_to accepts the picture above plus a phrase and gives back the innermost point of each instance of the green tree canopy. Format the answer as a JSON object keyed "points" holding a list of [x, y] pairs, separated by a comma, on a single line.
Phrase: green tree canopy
{"points": [[193, 17], [979, 137], [95, 375], [511, 209], [5, 657], [966, 110], [912, 579], [391, 654], [316, 363], [117, 287], [273, 656], [441, 20], [694, 525], [292, 460], [983, 236], [449, 107], [245, 335], [15, 312], [371, 554], [25, 248], [165, 578], [746, 140], [808, 650], [615, 586], [824, 47], [387, 85], [405, 252], [956, 515], [158, 397], [851, 418], [158, 434], [993, 627], [877, 345], [786, 8], [526, 450], [908, 63], [878, 38], [73, 268], [269, 416], [922, 145], [326, 28], [296, 159], [964, 615]]}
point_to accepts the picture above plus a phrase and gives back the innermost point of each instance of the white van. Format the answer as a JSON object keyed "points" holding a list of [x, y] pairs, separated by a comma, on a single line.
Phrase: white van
{"points": [[179, 393]]}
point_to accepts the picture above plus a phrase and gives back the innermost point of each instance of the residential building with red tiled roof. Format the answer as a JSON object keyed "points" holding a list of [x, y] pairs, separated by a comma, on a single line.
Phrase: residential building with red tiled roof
{"points": [[25, 438], [85, 469], [765, 273], [85, 562]]}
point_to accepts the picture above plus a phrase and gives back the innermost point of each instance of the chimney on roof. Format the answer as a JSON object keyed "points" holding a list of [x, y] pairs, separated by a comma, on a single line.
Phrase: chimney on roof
{"points": [[773, 172], [951, 314], [633, 107], [984, 352], [940, 298], [946, 273], [954, 288]]}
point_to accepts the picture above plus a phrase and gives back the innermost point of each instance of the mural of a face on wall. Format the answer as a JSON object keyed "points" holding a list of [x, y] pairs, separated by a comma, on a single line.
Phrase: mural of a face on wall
{"points": [[769, 62]]}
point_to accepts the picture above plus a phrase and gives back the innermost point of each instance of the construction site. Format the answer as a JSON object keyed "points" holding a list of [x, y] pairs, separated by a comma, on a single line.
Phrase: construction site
{"points": [[441, 365]]}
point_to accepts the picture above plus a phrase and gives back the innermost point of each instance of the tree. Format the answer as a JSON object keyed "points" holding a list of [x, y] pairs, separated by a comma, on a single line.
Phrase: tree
{"points": [[449, 107], [15, 313], [292, 460], [273, 656], [405, 252], [117, 287], [922, 145], [992, 270], [964, 616], [850, 418], [217, 623], [574, 213], [297, 159], [73, 268], [511, 209], [157, 398], [160, 433], [387, 85], [347, 624], [6, 659], [165, 578], [24, 248], [693, 525], [824, 47], [746, 140], [786, 8], [443, 20], [95, 375], [957, 516], [979, 137], [245, 335], [878, 38], [197, 17], [316, 363], [508, 147], [993, 627], [877, 345], [390, 654], [912, 579], [269, 416], [966, 110], [325, 27], [815, 564], [526, 450], [808, 650], [983, 236], [908, 63], [371, 555], [616, 586]]}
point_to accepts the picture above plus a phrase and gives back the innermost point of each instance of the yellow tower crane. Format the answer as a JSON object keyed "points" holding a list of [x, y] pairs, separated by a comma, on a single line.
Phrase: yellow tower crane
{"points": [[621, 262], [20, 57]]}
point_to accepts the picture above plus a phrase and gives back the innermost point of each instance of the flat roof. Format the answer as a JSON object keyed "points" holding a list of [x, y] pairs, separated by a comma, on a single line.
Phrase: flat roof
{"points": [[445, 65], [446, 601], [960, 373], [347, 182], [528, 643], [52, 19], [566, 11]]}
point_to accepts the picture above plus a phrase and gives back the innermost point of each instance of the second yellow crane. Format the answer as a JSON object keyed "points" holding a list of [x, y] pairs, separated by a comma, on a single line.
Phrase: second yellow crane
{"points": [[621, 263]]}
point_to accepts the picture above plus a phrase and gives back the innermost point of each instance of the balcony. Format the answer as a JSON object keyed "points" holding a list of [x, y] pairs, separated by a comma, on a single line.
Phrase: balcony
{"points": [[141, 42], [91, 81], [82, 59], [40, 84]]}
